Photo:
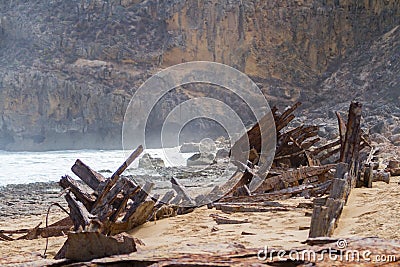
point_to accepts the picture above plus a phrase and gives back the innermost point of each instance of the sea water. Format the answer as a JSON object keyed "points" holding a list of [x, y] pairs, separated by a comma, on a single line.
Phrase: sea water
{"points": [[30, 167]]}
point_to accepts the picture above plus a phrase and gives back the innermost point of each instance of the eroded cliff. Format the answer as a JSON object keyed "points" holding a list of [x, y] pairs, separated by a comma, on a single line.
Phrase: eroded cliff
{"points": [[69, 68]]}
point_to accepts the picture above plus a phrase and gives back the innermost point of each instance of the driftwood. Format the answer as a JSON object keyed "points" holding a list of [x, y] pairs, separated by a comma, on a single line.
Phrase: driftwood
{"points": [[225, 220]]}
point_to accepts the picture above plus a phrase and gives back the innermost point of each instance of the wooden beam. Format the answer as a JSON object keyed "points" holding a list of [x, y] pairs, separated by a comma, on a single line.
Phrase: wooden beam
{"points": [[81, 193], [293, 176], [114, 178], [350, 149], [79, 215], [86, 174]]}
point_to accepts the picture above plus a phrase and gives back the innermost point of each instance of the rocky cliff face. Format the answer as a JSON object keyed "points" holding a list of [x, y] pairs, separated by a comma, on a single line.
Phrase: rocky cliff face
{"points": [[69, 68]]}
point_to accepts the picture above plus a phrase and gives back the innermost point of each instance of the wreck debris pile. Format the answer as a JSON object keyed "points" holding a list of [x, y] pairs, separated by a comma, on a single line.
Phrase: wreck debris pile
{"points": [[102, 209], [297, 170]]}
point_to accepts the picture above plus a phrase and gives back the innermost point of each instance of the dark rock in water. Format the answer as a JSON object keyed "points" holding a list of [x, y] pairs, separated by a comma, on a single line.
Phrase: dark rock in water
{"points": [[105, 171], [201, 159], [148, 162], [189, 148], [222, 153]]}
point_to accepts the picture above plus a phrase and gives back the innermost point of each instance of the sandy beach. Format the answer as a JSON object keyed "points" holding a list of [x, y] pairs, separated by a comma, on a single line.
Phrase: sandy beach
{"points": [[369, 212]]}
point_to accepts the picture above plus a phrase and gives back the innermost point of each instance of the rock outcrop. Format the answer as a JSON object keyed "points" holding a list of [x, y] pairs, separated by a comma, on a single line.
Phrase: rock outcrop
{"points": [[68, 69]]}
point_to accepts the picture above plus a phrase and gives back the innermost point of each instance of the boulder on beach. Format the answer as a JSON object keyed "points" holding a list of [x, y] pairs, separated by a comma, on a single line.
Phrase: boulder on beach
{"points": [[222, 153], [201, 159], [148, 162]]}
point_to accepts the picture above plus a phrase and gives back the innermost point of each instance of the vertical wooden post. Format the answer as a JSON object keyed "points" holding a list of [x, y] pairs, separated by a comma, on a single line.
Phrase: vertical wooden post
{"points": [[350, 148], [368, 175]]}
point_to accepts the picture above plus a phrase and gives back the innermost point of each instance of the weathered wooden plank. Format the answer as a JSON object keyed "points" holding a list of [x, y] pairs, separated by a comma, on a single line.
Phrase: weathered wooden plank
{"points": [[114, 178], [350, 149], [81, 193], [87, 175], [342, 128], [138, 198], [242, 191], [129, 192], [319, 221], [180, 190], [329, 154], [335, 207], [79, 215], [285, 118], [292, 176], [326, 214], [104, 207], [285, 114], [138, 217], [338, 189], [4, 237], [176, 200], [341, 169], [165, 199], [318, 150], [249, 207], [225, 220], [84, 246], [283, 123]]}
